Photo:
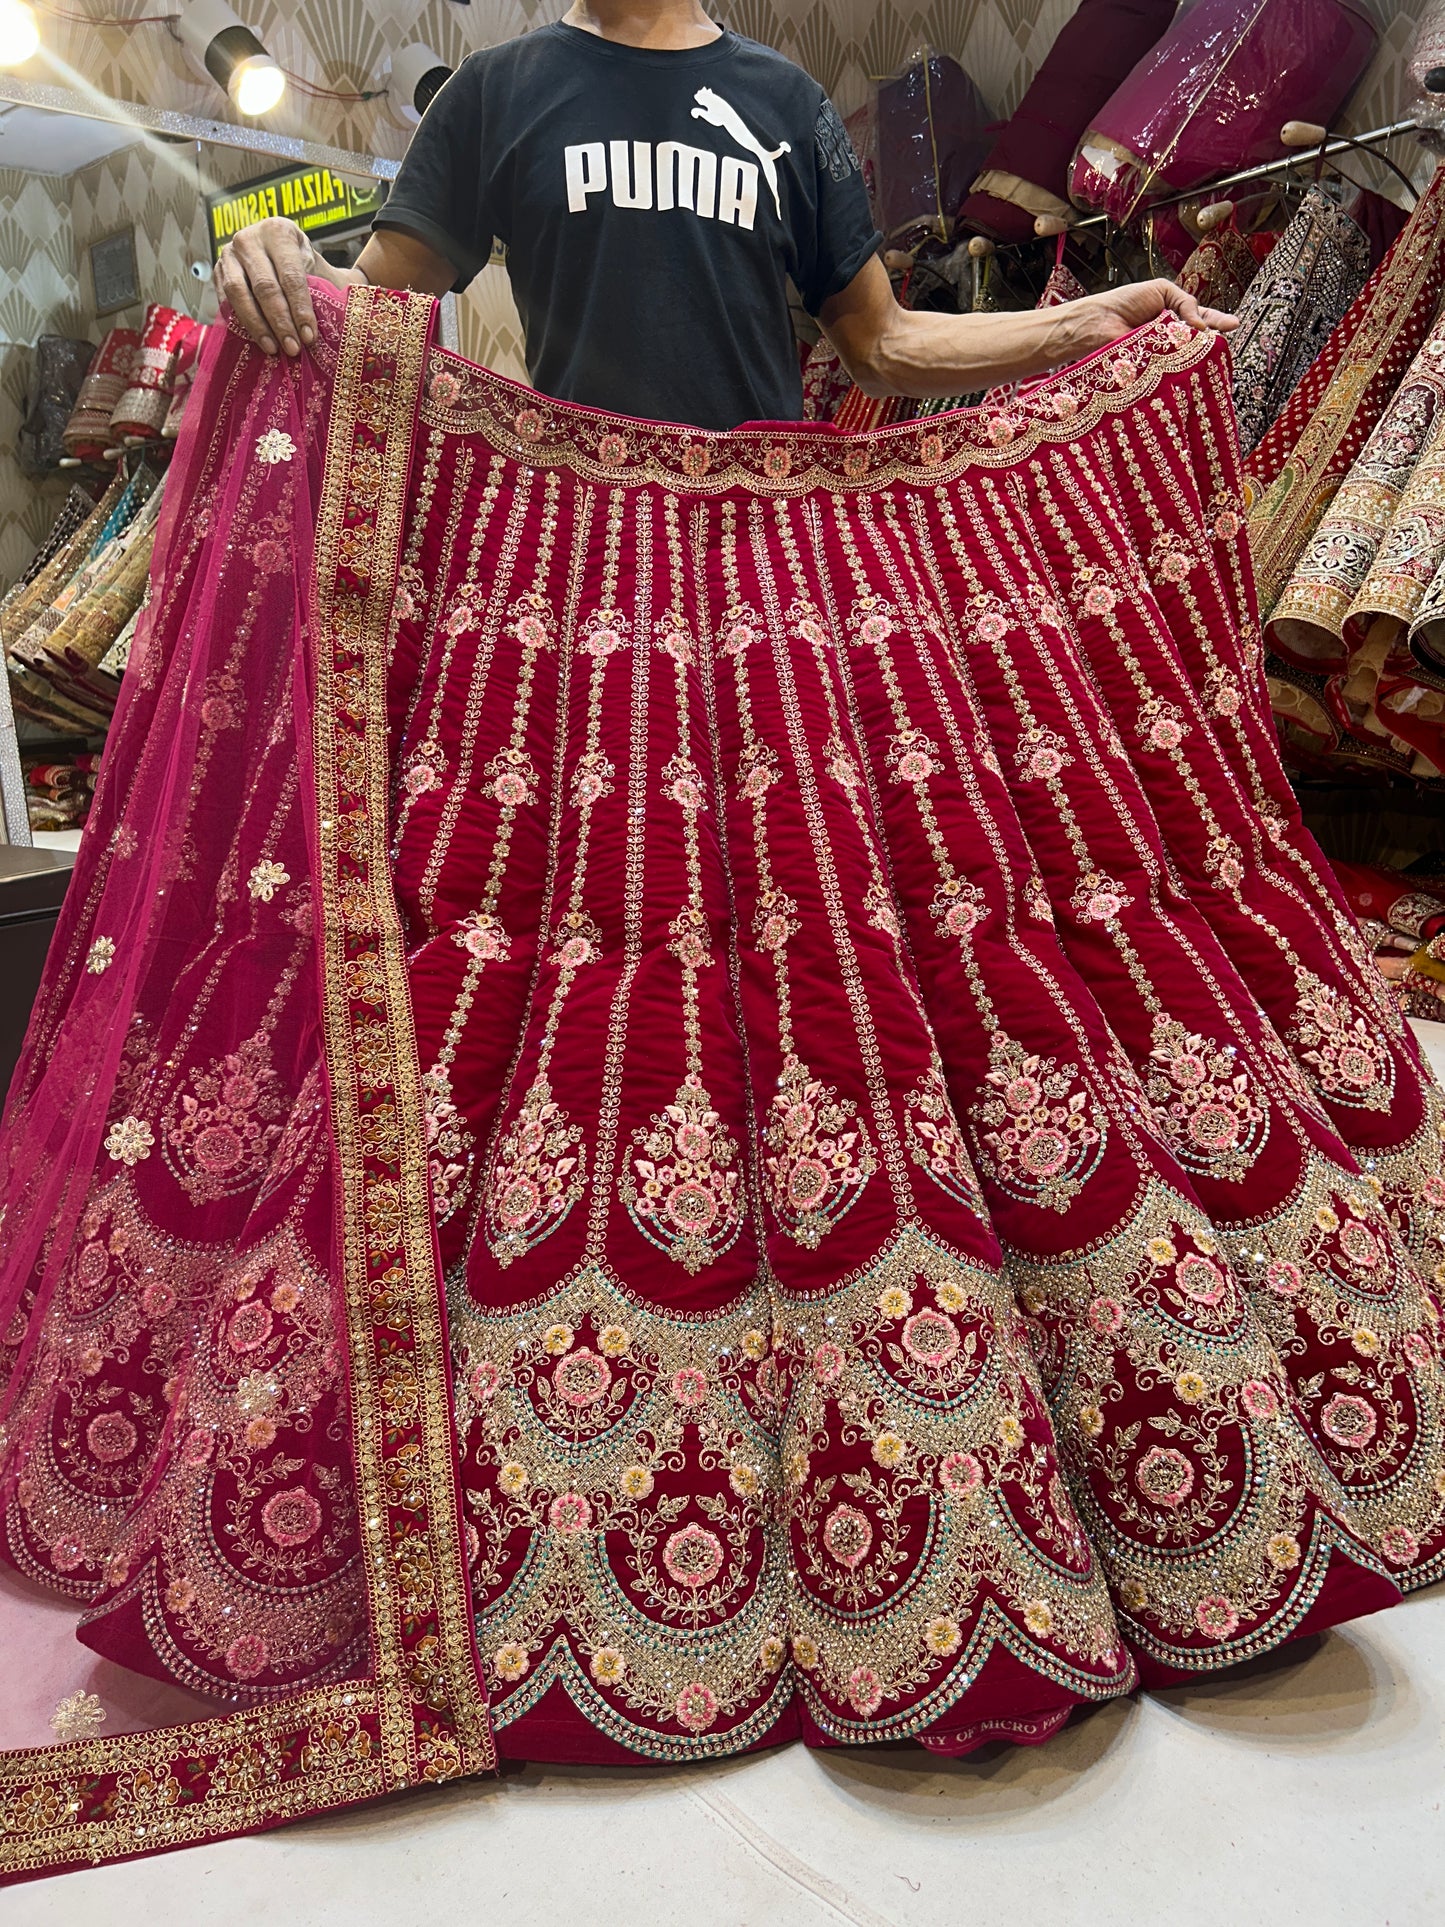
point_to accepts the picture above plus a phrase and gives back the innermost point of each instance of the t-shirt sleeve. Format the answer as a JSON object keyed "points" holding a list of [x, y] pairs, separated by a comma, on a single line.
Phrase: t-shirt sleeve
{"points": [[843, 235], [438, 195]]}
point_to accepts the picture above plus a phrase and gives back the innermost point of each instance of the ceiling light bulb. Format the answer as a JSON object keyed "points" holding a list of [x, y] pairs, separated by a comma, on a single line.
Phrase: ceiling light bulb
{"points": [[19, 33], [220, 45], [257, 86]]}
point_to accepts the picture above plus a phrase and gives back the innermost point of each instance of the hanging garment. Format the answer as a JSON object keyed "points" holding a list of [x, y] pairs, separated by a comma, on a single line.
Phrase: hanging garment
{"points": [[1368, 578], [695, 1089], [1026, 171], [60, 366], [1293, 472], [1299, 296], [1219, 271]]}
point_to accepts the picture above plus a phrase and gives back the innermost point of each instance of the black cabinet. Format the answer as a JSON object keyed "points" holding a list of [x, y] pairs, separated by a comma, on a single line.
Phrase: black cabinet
{"points": [[32, 888]]}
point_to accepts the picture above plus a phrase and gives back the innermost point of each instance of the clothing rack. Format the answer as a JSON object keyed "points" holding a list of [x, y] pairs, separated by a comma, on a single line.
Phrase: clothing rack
{"points": [[1268, 170]]}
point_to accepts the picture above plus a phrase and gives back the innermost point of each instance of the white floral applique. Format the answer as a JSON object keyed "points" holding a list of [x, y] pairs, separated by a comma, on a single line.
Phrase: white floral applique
{"points": [[130, 1140], [100, 956], [266, 879], [275, 446]]}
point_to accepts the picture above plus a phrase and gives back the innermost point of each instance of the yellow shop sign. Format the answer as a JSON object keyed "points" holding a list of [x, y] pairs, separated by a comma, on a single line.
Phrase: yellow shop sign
{"points": [[320, 202]]}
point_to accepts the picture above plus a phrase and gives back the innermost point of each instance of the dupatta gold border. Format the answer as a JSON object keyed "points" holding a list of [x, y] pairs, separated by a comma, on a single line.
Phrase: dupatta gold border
{"points": [[421, 1714]]}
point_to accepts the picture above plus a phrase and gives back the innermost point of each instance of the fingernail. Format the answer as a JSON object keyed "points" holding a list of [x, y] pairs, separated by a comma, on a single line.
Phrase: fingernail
{"points": [[268, 346], [292, 346], [308, 335]]}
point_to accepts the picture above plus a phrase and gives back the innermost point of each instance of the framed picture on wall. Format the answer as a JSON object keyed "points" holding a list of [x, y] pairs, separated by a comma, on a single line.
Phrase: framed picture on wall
{"points": [[113, 271]]}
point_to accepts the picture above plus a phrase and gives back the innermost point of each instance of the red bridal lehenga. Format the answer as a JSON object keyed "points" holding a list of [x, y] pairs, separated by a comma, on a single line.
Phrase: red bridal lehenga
{"points": [[696, 1090]]}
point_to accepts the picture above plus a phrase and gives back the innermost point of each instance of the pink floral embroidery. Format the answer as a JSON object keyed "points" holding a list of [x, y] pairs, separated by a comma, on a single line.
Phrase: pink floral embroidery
{"points": [[989, 618], [960, 1474], [1164, 1476], [536, 1178], [848, 1535], [1349, 1421], [1041, 755], [1399, 1545], [292, 1517], [696, 459], [111, 1437], [612, 449], [1215, 1617], [693, 1556], [482, 937], [935, 1142], [818, 1156], [569, 1513], [684, 1194], [604, 632], [1349, 1058], [528, 424], [1259, 1400], [958, 908], [696, 1707], [1203, 1102], [219, 1135], [423, 769], [865, 1690], [1046, 1133], [912, 757]]}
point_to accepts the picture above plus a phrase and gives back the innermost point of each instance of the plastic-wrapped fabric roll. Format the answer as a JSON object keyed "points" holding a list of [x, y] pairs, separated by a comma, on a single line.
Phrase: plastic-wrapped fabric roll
{"points": [[1026, 170], [88, 432], [141, 411], [1213, 95], [920, 140]]}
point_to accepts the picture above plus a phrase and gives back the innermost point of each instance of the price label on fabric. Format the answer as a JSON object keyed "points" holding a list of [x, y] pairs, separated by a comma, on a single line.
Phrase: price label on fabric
{"points": [[322, 203]]}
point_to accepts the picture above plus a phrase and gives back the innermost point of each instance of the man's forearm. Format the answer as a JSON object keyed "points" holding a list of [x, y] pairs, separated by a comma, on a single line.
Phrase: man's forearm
{"points": [[928, 355]]}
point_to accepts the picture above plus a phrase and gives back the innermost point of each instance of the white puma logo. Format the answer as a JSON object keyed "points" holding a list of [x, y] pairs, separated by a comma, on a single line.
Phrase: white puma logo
{"points": [[717, 112]]}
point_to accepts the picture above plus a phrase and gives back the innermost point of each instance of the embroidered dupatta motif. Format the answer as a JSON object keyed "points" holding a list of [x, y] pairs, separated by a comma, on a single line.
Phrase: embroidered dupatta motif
{"points": [[697, 1089]]}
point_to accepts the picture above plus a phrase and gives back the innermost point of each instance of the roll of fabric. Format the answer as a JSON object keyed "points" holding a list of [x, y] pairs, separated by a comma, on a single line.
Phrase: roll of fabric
{"points": [[1295, 301], [88, 432], [1026, 172], [25, 602], [141, 410], [1294, 472], [1401, 902]]}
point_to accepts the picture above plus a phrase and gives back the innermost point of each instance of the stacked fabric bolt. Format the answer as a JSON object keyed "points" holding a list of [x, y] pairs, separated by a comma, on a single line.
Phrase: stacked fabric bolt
{"points": [[60, 630], [141, 411], [88, 434], [58, 793]]}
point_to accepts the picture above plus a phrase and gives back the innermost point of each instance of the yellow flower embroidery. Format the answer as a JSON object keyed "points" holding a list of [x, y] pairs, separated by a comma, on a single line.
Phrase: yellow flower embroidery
{"points": [[805, 1651], [1091, 1421], [612, 1341], [635, 1481], [556, 1339], [510, 1660], [1162, 1251], [608, 1666], [1010, 1432], [512, 1478], [951, 1295], [942, 1636], [895, 1302], [1365, 1342], [1132, 1596], [1038, 1617], [1191, 1387], [888, 1450], [755, 1344], [743, 1480], [771, 1653], [1282, 1549]]}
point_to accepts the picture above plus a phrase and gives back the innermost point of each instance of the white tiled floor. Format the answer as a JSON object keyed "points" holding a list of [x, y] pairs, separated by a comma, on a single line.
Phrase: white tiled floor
{"points": [[1308, 1789]]}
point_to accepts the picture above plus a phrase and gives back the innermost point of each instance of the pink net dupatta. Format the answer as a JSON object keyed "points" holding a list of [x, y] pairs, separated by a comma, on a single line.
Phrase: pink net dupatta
{"points": [[219, 1441]]}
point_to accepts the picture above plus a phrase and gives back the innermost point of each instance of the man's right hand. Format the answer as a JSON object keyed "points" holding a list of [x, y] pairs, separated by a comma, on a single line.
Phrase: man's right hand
{"points": [[262, 274]]}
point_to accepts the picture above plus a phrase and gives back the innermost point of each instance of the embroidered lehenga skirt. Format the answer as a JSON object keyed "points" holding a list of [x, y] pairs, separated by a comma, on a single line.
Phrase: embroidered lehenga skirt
{"points": [[696, 1090]]}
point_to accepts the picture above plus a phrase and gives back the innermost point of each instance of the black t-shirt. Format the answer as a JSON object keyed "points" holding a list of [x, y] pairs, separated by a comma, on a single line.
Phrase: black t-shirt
{"points": [[653, 205]]}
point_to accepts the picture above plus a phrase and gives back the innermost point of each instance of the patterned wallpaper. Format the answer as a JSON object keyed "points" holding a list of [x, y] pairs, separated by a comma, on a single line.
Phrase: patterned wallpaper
{"points": [[46, 225], [39, 294]]}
